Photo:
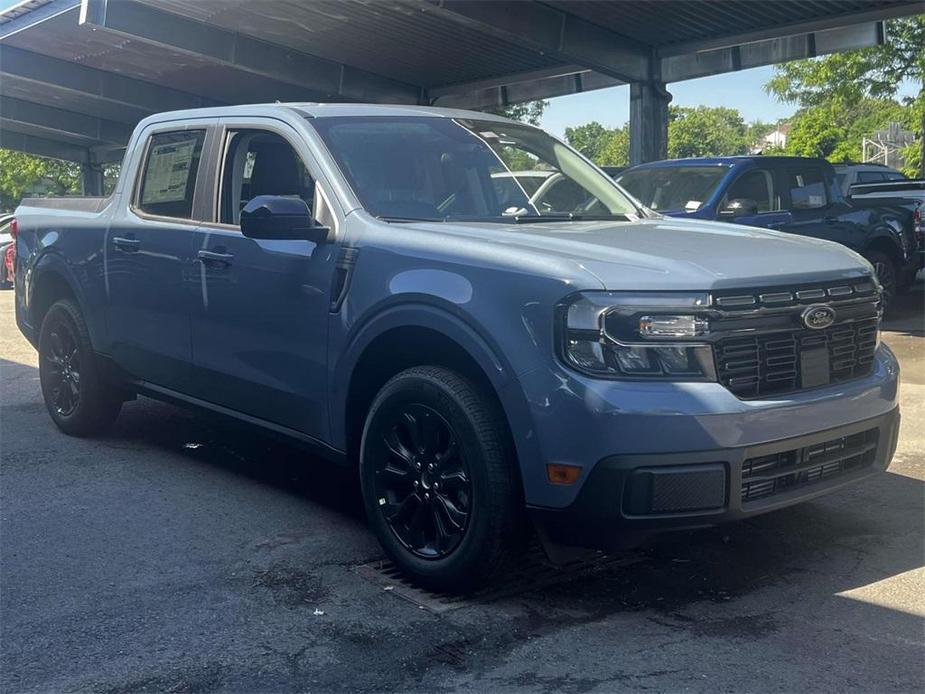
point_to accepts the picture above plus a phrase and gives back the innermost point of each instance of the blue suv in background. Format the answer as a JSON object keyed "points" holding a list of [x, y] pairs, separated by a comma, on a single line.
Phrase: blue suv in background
{"points": [[798, 195]]}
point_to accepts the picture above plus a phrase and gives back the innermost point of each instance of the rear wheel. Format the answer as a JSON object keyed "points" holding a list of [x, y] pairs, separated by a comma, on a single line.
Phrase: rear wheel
{"points": [[78, 399], [885, 270], [439, 487]]}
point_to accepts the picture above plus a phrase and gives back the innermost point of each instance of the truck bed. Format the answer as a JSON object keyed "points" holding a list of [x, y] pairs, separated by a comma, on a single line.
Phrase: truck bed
{"points": [[71, 203]]}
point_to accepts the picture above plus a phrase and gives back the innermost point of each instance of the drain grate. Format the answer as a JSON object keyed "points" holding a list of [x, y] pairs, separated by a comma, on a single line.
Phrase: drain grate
{"points": [[534, 571]]}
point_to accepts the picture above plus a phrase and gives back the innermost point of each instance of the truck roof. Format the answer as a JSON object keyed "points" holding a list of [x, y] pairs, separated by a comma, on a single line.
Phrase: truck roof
{"points": [[318, 110]]}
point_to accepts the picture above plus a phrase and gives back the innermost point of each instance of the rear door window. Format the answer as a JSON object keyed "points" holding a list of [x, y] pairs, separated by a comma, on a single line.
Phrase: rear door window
{"points": [[168, 178], [806, 185]]}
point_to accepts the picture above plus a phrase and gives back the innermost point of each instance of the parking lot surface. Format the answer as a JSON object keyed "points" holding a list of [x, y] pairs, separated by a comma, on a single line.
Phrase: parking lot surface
{"points": [[185, 553]]}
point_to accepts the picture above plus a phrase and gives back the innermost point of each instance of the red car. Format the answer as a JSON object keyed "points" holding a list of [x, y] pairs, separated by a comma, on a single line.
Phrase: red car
{"points": [[7, 252]]}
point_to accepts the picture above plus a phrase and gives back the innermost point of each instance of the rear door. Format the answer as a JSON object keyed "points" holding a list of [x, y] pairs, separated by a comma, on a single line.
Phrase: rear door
{"points": [[147, 255], [259, 326]]}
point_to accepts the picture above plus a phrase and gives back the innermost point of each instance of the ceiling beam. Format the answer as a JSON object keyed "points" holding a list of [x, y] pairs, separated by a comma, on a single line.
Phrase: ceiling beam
{"points": [[890, 11], [42, 147], [550, 32], [120, 98], [173, 32], [519, 92], [771, 52], [59, 124]]}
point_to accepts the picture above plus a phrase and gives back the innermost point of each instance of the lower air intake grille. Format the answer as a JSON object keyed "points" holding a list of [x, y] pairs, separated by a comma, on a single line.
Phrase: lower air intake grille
{"points": [[772, 474]]}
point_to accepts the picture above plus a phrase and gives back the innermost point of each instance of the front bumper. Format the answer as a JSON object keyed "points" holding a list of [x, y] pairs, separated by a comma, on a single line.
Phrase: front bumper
{"points": [[628, 498]]}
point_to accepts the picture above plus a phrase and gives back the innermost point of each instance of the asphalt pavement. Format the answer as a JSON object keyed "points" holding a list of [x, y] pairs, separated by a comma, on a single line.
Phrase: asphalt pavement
{"points": [[185, 553]]}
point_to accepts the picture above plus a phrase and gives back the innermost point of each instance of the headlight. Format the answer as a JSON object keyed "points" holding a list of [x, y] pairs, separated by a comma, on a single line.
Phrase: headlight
{"points": [[658, 335]]}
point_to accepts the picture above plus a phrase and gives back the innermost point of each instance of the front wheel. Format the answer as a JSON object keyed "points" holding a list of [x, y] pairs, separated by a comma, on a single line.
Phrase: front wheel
{"points": [[439, 485], [885, 270], [77, 397]]}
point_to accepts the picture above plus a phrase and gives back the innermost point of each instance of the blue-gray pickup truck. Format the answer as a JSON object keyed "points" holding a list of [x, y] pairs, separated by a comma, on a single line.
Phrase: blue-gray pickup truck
{"points": [[494, 353]]}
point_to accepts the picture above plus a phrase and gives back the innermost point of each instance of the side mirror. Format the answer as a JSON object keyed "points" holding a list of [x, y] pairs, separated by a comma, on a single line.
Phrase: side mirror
{"points": [[739, 207], [276, 217]]}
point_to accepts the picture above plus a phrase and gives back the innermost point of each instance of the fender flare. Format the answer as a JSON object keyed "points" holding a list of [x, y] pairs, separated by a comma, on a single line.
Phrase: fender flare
{"points": [[426, 313], [50, 262]]}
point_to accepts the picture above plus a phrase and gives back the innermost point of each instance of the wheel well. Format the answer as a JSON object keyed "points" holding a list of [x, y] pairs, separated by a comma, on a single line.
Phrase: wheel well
{"points": [[885, 246], [50, 287], [393, 352]]}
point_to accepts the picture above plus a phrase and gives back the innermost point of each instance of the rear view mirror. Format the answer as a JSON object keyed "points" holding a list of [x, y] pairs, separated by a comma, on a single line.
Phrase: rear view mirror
{"points": [[276, 217], [739, 207]]}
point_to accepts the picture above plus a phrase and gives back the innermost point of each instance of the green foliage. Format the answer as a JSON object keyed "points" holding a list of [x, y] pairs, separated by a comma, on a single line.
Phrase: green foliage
{"points": [[846, 96], [528, 112], [837, 132], [21, 173], [706, 131], [847, 78], [603, 146]]}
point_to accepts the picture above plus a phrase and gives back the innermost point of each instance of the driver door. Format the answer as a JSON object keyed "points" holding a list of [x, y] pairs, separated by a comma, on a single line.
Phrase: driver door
{"points": [[260, 320], [756, 185]]}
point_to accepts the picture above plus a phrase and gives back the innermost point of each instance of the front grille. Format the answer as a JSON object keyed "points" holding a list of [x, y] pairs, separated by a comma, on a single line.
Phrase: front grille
{"points": [[777, 363], [772, 474]]}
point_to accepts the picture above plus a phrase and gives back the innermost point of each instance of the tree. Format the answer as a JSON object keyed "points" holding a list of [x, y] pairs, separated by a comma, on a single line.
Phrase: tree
{"points": [[603, 146], [845, 83], [706, 131], [836, 132], [20, 173], [528, 112]]}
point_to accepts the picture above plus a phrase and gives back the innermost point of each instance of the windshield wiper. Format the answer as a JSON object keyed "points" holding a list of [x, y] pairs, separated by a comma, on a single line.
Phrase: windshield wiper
{"points": [[408, 220], [538, 219]]}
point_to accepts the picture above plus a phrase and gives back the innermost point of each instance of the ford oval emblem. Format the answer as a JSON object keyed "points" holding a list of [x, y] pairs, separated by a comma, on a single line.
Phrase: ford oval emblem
{"points": [[818, 317]]}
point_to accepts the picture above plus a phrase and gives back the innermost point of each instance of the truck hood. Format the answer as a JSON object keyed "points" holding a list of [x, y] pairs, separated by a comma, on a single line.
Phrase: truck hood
{"points": [[670, 253]]}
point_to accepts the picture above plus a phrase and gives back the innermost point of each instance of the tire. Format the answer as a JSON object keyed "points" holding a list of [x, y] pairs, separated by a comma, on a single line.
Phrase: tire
{"points": [[428, 426], [885, 269], [79, 401]]}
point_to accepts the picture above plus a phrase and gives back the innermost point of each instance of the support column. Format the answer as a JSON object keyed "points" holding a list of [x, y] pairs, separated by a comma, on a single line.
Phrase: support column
{"points": [[648, 122], [91, 179]]}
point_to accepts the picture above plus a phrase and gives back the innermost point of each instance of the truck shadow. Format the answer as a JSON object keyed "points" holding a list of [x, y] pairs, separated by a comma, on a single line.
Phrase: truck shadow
{"points": [[824, 537], [806, 554]]}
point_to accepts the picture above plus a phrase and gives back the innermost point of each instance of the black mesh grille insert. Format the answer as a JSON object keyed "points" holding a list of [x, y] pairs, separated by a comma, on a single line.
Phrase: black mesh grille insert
{"points": [[771, 364], [772, 474]]}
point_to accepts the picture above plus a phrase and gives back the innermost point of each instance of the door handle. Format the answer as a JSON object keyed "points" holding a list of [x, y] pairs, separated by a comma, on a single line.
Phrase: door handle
{"points": [[127, 245], [214, 258], [830, 220]]}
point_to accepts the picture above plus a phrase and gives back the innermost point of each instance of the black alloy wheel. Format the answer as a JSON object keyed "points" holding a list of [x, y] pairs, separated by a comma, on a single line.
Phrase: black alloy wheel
{"points": [[62, 361], [439, 479], [423, 487], [78, 398]]}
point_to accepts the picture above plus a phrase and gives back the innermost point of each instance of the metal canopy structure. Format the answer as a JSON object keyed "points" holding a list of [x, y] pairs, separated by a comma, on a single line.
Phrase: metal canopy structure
{"points": [[76, 75]]}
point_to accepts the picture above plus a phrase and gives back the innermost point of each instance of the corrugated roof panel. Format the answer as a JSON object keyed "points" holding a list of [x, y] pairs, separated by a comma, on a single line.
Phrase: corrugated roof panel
{"points": [[387, 38]]}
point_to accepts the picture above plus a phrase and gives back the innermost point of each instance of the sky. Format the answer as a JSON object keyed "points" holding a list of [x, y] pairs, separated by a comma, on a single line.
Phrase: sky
{"points": [[742, 90]]}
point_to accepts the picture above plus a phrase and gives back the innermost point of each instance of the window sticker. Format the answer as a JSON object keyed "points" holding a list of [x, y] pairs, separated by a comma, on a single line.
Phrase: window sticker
{"points": [[168, 171], [692, 205]]}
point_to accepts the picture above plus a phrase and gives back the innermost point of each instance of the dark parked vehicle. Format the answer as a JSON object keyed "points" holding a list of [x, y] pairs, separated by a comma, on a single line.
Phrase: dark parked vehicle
{"points": [[798, 195], [362, 280]]}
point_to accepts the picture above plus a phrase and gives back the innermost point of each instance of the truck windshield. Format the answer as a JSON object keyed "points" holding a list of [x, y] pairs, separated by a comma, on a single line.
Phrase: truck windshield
{"points": [[410, 168], [673, 188]]}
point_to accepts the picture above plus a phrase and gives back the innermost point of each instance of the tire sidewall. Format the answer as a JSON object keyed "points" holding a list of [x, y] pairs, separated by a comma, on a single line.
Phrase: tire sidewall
{"points": [[96, 405], [458, 565]]}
